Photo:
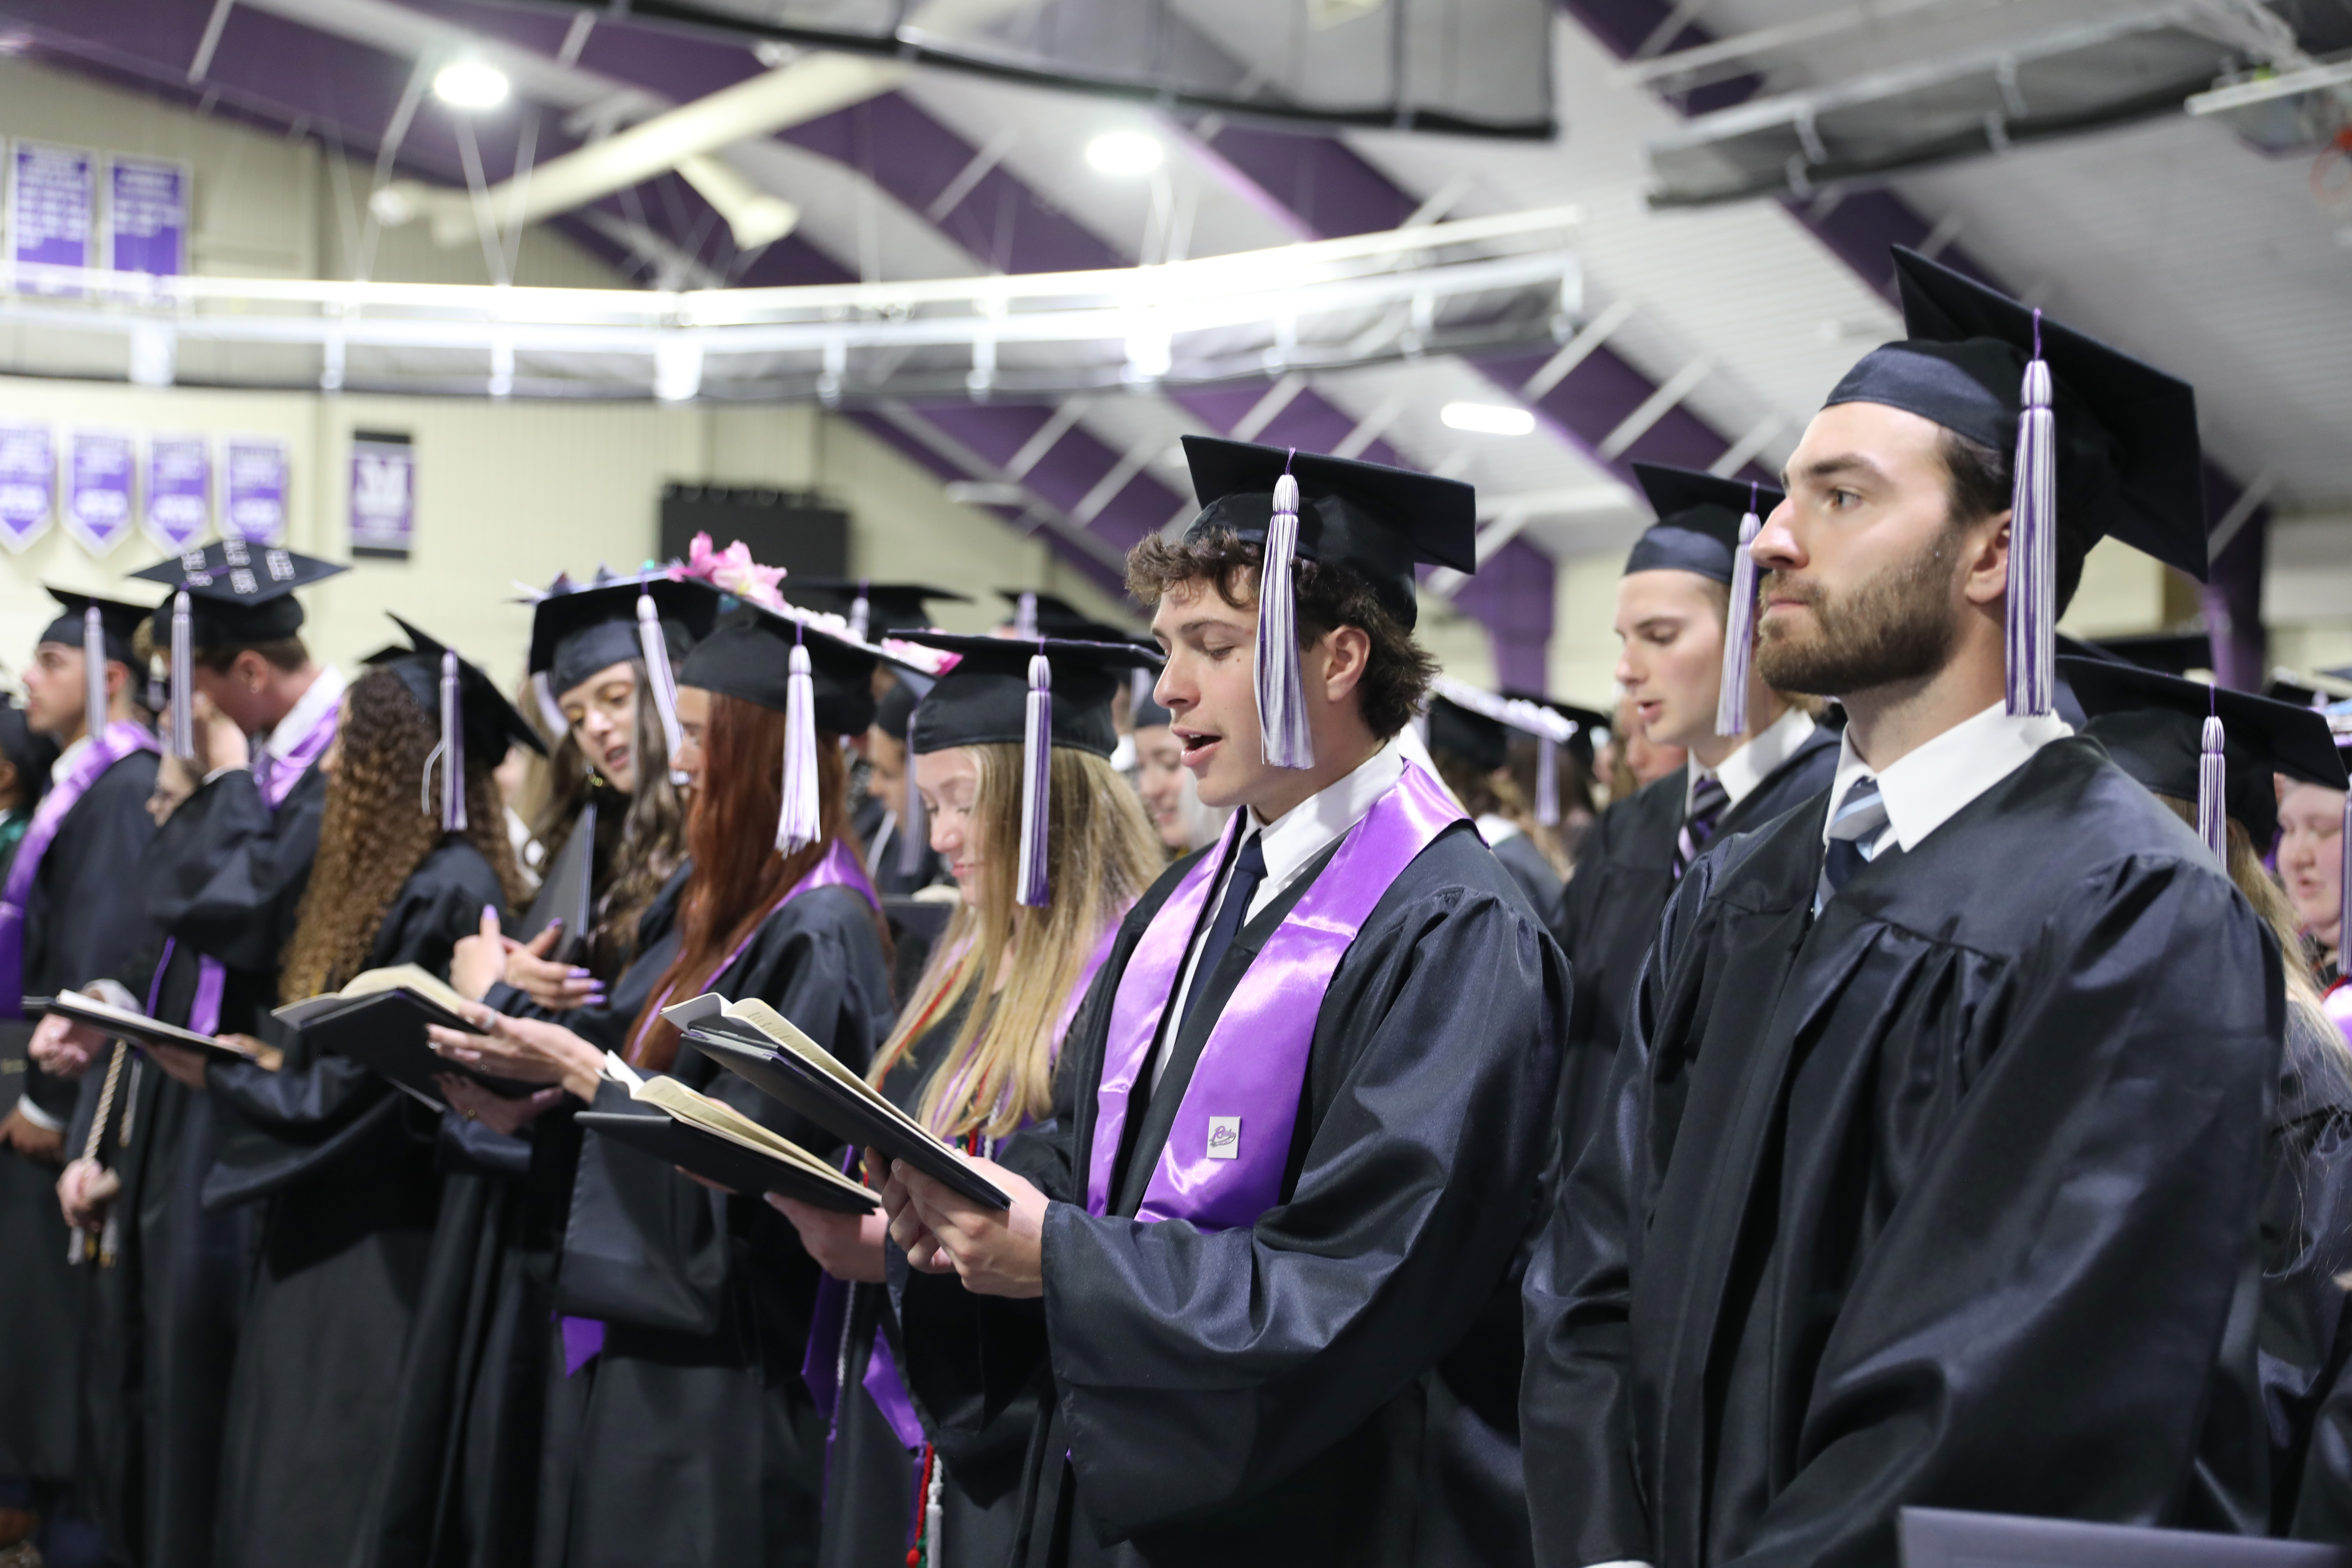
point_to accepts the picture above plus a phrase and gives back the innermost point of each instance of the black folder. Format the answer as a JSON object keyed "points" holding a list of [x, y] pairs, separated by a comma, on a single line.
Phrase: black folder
{"points": [[566, 894], [839, 1110], [718, 1158], [136, 1027], [924, 917], [384, 1033]]}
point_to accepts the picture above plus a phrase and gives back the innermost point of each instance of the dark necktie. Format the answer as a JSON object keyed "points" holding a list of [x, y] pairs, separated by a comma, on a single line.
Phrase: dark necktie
{"points": [[1249, 870], [1709, 799], [1855, 829]]}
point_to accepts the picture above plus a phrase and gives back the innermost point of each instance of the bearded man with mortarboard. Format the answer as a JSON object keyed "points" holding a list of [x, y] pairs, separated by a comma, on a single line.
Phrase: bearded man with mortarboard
{"points": [[1934, 1154]]}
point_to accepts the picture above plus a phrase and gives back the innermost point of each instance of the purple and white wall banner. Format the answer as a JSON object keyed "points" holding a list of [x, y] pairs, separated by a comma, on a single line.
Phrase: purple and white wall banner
{"points": [[99, 469], [252, 489], [179, 489], [51, 194], [147, 216], [28, 483], [384, 494]]}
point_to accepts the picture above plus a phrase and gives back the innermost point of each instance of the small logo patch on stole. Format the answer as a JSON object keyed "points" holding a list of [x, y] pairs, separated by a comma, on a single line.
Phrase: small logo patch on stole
{"points": [[1224, 1137]]}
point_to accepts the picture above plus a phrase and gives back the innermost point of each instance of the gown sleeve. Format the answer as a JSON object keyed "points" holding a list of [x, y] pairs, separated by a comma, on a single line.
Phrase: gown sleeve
{"points": [[227, 875], [89, 922], [1196, 1370]]}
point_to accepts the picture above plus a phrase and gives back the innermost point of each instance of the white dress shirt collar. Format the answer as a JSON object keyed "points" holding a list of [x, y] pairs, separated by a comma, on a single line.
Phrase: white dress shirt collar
{"points": [[326, 690], [68, 759], [1291, 841], [1932, 783]]}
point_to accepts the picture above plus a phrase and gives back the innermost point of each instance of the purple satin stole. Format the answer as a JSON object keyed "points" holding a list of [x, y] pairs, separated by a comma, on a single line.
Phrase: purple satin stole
{"points": [[113, 744], [1222, 1164], [275, 778], [583, 1338]]}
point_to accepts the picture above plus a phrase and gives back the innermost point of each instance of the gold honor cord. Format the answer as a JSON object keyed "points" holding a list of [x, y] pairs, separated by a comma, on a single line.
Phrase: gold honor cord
{"points": [[83, 1245]]}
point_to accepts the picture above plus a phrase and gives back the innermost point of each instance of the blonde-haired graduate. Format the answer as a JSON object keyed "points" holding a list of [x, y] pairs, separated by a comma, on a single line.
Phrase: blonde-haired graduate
{"points": [[1049, 846]]}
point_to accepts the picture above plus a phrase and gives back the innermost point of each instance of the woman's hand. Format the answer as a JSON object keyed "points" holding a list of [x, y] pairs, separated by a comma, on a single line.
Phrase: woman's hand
{"points": [[85, 1191], [495, 1111], [558, 987], [39, 1144], [180, 1065], [846, 1245], [905, 1226], [999, 1252], [530, 1049], [64, 1048], [478, 962]]}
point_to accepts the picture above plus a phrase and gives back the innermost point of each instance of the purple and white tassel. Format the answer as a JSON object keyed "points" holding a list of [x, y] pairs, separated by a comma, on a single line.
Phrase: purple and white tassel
{"points": [[2212, 819], [860, 613], [914, 827], [93, 671], [183, 679], [2343, 904], [2033, 546], [1547, 782], [452, 750], [1281, 697], [655, 649], [1036, 784], [1739, 628], [1025, 616], [800, 823]]}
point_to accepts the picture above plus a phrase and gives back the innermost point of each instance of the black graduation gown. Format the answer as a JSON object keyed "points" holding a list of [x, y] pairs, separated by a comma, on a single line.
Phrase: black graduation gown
{"points": [[343, 1166], [691, 1438], [2289, 1336], [82, 922], [1336, 1384], [1611, 908], [872, 1479], [462, 1484], [225, 877], [1533, 873], [1972, 1169]]}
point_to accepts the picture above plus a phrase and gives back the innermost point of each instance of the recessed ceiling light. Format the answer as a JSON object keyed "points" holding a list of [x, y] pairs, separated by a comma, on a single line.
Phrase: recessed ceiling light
{"points": [[470, 84], [1125, 153], [1487, 418]]}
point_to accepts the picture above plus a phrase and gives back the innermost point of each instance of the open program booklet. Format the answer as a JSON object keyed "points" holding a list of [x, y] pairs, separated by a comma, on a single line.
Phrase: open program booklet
{"points": [[378, 1021], [720, 1143], [138, 1029], [754, 1041]]}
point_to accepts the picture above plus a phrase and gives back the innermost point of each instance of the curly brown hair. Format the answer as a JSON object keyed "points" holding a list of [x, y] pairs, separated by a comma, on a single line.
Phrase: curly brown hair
{"points": [[738, 878], [1397, 673], [376, 835]]}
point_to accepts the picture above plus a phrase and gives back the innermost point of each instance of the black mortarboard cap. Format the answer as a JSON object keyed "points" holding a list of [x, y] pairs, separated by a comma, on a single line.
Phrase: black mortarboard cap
{"points": [[576, 632], [1051, 615], [1143, 709], [491, 723], [2153, 725], [119, 621], [1699, 517], [896, 706], [750, 657], [2174, 653], [1378, 521], [2127, 452], [238, 592], [889, 606], [984, 700], [2287, 686], [1477, 739]]}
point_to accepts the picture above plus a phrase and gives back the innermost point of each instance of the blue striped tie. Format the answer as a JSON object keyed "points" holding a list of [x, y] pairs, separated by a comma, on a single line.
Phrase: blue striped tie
{"points": [[1855, 829], [1709, 799]]}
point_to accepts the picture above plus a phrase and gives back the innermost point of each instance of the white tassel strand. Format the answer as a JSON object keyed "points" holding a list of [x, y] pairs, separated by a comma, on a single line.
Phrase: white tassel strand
{"points": [[1036, 784], [93, 671], [914, 825], [1281, 695], [2212, 819], [655, 650], [1547, 783], [184, 679], [2033, 546], [1739, 629], [799, 825]]}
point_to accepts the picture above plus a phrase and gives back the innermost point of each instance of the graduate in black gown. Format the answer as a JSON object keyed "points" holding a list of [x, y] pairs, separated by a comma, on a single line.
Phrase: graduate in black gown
{"points": [[1676, 628], [339, 1162], [1172, 796], [1318, 1061], [461, 1484], [223, 878], [973, 1060], [681, 1431], [1472, 748], [1935, 1173], [69, 914], [2286, 1344]]}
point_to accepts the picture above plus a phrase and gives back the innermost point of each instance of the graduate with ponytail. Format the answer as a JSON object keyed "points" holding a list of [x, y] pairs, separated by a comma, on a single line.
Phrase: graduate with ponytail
{"points": [[341, 1165], [678, 1431], [973, 1060]]}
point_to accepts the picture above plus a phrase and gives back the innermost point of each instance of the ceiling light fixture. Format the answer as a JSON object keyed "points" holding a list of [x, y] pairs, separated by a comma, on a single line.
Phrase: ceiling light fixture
{"points": [[1487, 419], [1125, 153], [470, 84]]}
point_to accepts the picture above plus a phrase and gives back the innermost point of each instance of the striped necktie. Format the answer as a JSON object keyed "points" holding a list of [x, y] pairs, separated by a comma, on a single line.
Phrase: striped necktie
{"points": [[1856, 831], [1709, 799]]}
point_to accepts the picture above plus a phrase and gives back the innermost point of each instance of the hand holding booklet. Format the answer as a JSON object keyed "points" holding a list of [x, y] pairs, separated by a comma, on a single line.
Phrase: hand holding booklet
{"points": [[378, 1021], [720, 1143], [137, 1027], [755, 1042]]}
